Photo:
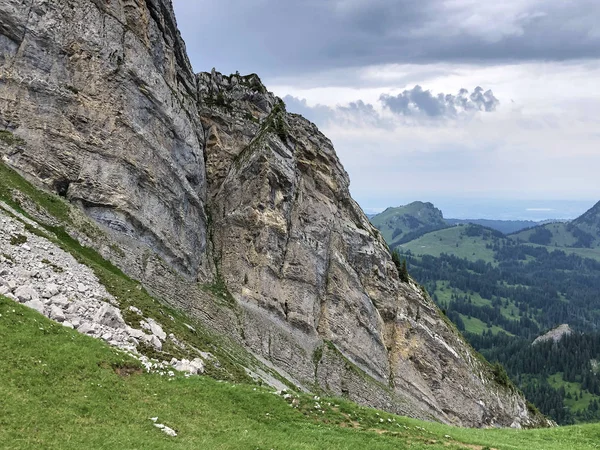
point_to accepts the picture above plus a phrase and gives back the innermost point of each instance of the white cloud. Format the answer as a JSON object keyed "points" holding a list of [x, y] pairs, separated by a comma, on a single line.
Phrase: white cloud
{"points": [[540, 59], [541, 142]]}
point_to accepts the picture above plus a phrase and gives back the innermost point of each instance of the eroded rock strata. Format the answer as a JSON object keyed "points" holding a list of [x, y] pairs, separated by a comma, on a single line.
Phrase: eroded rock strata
{"points": [[206, 179]]}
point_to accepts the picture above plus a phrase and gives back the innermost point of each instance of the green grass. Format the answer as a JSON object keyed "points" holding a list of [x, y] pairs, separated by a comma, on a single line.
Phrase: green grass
{"points": [[556, 381], [444, 293], [60, 390], [474, 325], [11, 181], [560, 236], [453, 242], [511, 311]]}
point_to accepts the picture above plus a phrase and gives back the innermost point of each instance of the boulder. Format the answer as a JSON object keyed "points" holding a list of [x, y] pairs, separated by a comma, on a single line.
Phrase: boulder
{"points": [[86, 328], [51, 290], [194, 367], [57, 314], [110, 316], [153, 327], [26, 293], [35, 304]]}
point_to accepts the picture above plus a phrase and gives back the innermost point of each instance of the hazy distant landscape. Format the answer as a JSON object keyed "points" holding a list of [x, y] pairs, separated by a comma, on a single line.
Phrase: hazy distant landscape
{"points": [[507, 283], [498, 209]]}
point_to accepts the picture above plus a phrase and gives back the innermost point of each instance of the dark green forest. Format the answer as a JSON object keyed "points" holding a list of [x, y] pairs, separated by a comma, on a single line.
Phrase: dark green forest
{"points": [[501, 307]]}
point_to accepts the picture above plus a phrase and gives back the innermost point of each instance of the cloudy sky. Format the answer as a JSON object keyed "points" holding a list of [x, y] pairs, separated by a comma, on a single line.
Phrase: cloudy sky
{"points": [[487, 109]]}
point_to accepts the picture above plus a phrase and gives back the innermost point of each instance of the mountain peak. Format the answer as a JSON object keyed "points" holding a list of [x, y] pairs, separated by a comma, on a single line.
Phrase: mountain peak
{"points": [[407, 222], [590, 218]]}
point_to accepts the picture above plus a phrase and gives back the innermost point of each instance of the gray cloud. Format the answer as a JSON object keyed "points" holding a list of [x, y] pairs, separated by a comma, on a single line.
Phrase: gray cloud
{"points": [[287, 37], [319, 114], [352, 113], [417, 101]]}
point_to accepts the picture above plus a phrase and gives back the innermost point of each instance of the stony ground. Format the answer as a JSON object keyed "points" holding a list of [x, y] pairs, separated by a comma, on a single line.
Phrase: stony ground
{"points": [[37, 273]]}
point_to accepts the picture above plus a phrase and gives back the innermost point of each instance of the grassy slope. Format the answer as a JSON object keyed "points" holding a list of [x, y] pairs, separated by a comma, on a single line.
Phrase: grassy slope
{"points": [[474, 248], [556, 380], [444, 292], [560, 236], [58, 389], [453, 242], [563, 239], [392, 218], [474, 325]]}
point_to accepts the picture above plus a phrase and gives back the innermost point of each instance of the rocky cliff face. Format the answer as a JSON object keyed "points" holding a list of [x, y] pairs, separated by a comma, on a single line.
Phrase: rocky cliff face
{"points": [[210, 175], [104, 95]]}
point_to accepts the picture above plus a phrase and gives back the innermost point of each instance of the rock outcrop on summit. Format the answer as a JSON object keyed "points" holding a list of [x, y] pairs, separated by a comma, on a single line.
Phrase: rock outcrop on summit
{"points": [[207, 179]]}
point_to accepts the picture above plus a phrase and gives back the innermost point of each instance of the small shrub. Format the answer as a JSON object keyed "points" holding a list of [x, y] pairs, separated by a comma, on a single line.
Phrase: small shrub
{"points": [[18, 239], [280, 128], [318, 355], [117, 250], [500, 375], [532, 408], [8, 257], [220, 101], [10, 139], [401, 266], [54, 267]]}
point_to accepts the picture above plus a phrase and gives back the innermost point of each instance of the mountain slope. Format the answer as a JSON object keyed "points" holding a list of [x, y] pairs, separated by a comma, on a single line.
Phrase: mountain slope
{"points": [[405, 223], [226, 207], [465, 241], [583, 232], [73, 392], [503, 293]]}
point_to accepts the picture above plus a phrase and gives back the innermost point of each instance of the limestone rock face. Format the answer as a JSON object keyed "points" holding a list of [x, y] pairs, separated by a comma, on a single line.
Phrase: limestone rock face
{"points": [[212, 175], [104, 95], [315, 279]]}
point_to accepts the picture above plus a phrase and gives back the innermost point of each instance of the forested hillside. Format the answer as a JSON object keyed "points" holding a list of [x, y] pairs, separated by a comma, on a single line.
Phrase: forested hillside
{"points": [[502, 292], [583, 232]]}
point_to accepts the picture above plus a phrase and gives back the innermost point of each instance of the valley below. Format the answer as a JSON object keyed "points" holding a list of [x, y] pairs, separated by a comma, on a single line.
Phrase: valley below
{"points": [[505, 290]]}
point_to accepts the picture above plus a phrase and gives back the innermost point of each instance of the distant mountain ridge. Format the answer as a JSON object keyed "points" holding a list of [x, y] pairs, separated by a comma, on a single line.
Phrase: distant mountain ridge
{"points": [[583, 232], [405, 223], [402, 224], [506, 290], [504, 226]]}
